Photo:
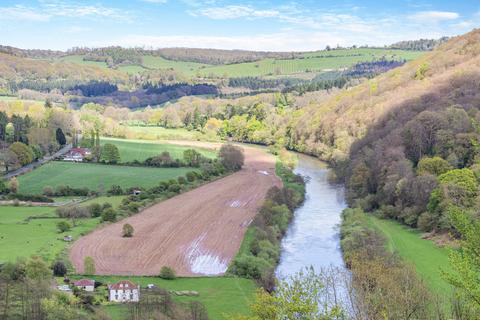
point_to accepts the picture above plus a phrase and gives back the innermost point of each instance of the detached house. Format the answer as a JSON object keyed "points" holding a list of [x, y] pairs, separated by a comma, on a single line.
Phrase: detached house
{"points": [[77, 154], [85, 285], [124, 291]]}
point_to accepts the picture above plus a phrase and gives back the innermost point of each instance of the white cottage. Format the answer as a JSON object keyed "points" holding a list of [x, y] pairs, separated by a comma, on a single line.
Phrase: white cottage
{"points": [[124, 291], [85, 285]]}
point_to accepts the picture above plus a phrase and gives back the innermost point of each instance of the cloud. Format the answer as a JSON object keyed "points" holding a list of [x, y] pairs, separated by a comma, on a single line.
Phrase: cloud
{"points": [[434, 16], [237, 11], [22, 13], [48, 9]]}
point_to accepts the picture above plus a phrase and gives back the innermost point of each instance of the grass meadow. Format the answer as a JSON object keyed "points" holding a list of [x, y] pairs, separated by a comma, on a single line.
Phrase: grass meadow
{"points": [[308, 62], [27, 231], [131, 150], [220, 295], [96, 177], [428, 258]]}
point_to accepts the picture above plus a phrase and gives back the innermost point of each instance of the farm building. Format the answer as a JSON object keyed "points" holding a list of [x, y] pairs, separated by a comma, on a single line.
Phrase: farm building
{"points": [[85, 285], [124, 291], [77, 154]]}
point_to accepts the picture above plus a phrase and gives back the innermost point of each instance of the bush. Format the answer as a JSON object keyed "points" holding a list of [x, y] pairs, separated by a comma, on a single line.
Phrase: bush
{"points": [[250, 266], [182, 180], [115, 190], [191, 176], [127, 231], [109, 215], [63, 226], [95, 210], [48, 191], [66, 191], [231, 157], [88, 266], [167, 273], [30, 197], [59, 269], [174, 188]]}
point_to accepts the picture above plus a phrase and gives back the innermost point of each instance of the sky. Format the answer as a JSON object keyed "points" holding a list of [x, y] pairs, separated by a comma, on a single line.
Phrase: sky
{"points": [[265, 25]]}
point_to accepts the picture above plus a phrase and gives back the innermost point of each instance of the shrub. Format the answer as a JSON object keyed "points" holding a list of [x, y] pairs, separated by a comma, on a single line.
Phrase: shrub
{"points": [[174, 188], [63, 226], [167, 273], [182, 180], [191, 176], [109, 215], [231, 157], [13, 185], [95, 210], [48, 191], [115, 190], [192, 157], [133, 206], [250, 266], [30, 197], [127, 231], [59, 269], [88, 266]]}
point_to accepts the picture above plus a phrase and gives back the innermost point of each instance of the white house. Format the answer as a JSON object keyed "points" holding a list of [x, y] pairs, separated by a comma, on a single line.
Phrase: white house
{"points": [[124, 291], [85, 285]]}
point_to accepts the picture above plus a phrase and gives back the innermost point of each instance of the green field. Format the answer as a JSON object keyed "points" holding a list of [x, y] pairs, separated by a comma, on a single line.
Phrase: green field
{"points": [[313, 62], [131, 150], [23, 237], [309, 62], [79, 60], [160, 133], [185, 67], [94, 176], [220, 295], [427, 258]]}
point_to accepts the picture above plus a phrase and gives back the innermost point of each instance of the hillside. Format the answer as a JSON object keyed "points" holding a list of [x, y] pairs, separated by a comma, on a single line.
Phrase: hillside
{"points": [[14, 68], [437, 79], [406, 142]]}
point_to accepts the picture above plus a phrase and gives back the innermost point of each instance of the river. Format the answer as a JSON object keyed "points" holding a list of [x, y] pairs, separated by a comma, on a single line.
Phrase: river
{"points": [[313, 235]]}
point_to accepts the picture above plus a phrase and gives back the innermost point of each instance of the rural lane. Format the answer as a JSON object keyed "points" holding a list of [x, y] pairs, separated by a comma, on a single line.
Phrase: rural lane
{"points": [[38, 163], [196, 233]]}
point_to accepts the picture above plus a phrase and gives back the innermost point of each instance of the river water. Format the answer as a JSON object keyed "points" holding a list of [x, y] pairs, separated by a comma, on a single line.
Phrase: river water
{"points": [[313, 236]]}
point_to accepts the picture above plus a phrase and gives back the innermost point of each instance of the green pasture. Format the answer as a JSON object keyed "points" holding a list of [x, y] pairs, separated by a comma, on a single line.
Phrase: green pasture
{"points": [[94, 176], [27, 231], [131, 150], [428, 258], [220, 295]]}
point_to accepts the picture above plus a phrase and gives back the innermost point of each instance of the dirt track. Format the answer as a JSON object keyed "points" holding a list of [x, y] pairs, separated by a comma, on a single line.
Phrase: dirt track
{"points": [[196, 233]]}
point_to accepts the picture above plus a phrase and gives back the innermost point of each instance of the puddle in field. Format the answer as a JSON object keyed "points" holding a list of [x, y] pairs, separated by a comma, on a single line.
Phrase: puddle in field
{"points": [[203, 262]]}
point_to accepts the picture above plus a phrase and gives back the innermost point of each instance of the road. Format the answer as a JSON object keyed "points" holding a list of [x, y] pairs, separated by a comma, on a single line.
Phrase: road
{"points": [[38, 163]]}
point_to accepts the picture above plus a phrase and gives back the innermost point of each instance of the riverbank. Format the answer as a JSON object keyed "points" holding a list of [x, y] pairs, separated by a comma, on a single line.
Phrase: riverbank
{"points": [[260, 251]]}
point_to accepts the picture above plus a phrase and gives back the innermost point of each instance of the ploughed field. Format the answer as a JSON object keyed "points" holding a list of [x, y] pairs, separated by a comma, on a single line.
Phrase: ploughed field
{"points": [[196, 233]]}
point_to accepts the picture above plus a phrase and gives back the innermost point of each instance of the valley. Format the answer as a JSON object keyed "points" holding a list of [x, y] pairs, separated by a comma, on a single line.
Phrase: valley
{"points": [[302, 161]]}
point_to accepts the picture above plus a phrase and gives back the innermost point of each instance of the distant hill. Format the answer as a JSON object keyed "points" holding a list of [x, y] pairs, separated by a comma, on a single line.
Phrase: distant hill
{"points": [[446, 76], [419, 45]]}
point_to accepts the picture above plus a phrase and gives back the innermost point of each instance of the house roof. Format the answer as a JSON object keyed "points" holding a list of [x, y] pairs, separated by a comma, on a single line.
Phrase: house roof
{"points": [[122, 285], [84, 283], [81, 151]]}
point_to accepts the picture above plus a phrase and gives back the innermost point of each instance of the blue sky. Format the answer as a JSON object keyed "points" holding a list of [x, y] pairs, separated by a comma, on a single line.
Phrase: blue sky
{"points": [[254, 25]]}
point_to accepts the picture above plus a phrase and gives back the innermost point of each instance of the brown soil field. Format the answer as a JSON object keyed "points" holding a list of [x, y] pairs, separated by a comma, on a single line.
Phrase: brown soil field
{"points": [[196, 233]]}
